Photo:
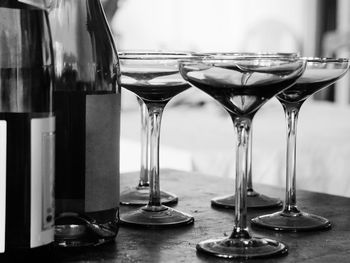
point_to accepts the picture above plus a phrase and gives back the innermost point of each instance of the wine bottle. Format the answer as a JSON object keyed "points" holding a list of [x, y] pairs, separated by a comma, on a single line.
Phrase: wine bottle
{"points": [[87, 105], [27, 127]]}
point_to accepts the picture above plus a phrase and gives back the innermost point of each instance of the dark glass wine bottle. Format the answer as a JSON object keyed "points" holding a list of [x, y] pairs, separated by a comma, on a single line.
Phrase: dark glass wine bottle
{"points": [[87, 105], [27, 127]]}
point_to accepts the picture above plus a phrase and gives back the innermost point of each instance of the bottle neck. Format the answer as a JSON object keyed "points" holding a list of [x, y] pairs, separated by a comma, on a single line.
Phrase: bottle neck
{"points": [[85, 54]]}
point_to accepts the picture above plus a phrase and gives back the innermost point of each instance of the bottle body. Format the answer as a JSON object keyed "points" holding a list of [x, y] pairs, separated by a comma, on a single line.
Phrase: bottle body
{"points": [[87, 108], [27, 128]]}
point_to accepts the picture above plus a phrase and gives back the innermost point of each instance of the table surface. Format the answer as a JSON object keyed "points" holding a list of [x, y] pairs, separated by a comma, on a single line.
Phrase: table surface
{"points": [[195, 191]]}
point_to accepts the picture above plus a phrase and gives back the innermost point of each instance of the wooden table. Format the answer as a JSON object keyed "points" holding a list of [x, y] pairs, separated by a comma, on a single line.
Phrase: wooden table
{"points": [[195, 191]]}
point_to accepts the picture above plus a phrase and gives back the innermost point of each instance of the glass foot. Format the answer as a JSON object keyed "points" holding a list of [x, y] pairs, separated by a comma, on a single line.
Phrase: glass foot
{"points": [[138, 196], [255, 200], [294, 222], [158, 217], [254, 247]]}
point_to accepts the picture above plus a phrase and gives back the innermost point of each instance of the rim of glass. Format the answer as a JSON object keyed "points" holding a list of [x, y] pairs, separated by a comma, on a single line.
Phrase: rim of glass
{"points": [[252, 54], [325, 60], [156, 55], [236, 59]]}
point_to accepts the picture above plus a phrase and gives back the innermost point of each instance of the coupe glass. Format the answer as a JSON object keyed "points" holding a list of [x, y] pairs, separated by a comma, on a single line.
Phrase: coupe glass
{"points": [[242, 86], [139, 195], [319, 73], [155, 79], [254, 199]]}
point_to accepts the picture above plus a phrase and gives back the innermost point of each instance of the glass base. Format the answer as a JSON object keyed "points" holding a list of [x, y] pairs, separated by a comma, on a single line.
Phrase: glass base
{"points": [[158, 217], [254, 247], [254, 200], [140, 196], [294, 222]]}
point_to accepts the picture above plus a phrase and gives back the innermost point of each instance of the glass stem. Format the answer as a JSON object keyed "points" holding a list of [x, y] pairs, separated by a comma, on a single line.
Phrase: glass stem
{"points": [[242, 128], [291, 112], [143, 182], [155, 112], [250, 190]]}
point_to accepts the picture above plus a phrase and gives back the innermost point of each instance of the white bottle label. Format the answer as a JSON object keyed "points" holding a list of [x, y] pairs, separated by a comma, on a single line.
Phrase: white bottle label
{"points": [[3, 149], [42, 181], [102, 152]]}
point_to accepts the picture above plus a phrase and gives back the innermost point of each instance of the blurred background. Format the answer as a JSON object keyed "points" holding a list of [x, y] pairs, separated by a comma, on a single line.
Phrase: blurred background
{"points": [[313, 28]]}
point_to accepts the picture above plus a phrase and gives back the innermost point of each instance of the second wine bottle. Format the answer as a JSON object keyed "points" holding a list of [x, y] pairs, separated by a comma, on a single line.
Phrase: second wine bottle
{"points": [[87, 105]]}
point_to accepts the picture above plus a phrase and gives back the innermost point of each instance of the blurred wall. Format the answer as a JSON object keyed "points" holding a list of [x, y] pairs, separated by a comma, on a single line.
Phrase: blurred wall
{"points": [[212, 25]]}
